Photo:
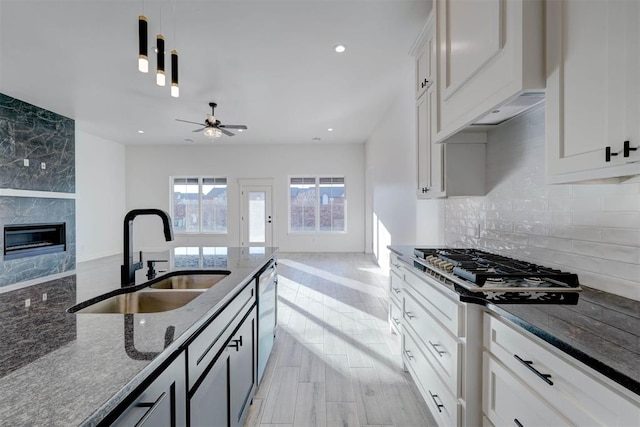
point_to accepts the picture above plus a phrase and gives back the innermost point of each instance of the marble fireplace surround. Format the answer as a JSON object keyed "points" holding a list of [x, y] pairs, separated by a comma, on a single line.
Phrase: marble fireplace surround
{"points": [[37, 185]]}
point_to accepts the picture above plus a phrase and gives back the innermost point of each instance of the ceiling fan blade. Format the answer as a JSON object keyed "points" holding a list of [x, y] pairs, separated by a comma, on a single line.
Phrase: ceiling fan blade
{"points": [[233, 126], [198, 130], [226, 132], [187, 121]]}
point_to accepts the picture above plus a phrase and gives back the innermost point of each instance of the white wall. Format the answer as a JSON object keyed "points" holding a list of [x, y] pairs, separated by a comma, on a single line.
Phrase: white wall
{"points": [[392, 205], [100, 196], [590, 230], [148, 184]]}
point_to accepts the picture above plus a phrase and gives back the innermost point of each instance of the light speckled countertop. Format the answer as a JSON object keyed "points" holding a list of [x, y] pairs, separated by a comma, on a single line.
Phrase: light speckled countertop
{"points": [[61, 369], [602, 330]]}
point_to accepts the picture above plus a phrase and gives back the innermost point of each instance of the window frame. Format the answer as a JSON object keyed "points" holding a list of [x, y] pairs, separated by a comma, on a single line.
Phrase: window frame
{"points": [[200, 179], [317, 179]]}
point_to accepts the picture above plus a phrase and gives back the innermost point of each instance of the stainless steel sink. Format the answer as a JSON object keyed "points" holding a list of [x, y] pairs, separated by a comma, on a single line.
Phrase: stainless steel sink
{"points": [[190, 281], [143, 301]]}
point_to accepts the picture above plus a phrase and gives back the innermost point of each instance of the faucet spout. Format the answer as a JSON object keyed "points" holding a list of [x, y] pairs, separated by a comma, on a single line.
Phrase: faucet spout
{"points": [[128, 269]]}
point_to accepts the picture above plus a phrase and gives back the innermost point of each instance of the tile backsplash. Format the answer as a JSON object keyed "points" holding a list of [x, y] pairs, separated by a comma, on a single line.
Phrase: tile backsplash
{"points": [[592, 230]]}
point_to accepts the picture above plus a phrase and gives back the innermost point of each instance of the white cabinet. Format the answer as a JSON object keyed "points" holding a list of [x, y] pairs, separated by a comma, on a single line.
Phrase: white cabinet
{"points": [[443, 170], [593, 89], [395, 294], [162, 403], [558, 386], [488, 52], [423, 51]]}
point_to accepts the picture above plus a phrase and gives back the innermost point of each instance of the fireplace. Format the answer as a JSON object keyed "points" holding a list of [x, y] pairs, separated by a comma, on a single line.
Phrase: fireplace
{"points": [[25, 240]]}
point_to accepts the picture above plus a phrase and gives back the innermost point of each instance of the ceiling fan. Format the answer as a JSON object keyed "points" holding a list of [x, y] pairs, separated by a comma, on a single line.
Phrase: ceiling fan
{"points": [[212, 126]]}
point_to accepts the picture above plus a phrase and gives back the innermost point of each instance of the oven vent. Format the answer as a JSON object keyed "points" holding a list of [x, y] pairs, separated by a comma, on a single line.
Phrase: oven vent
{"points": [[25, 240]]}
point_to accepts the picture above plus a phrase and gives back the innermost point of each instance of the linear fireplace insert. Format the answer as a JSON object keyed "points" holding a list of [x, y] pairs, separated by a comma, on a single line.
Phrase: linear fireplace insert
{"points": [[24, 240]]}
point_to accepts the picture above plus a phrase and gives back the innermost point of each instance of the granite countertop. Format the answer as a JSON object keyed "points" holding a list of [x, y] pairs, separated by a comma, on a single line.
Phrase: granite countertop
{"points": [[63, 369], [602, 330]]}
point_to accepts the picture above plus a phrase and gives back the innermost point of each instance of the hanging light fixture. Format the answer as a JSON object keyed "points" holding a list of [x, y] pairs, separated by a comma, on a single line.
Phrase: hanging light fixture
{"points": [[143, 60], [175, 89], [160, 77], [212, 132]]}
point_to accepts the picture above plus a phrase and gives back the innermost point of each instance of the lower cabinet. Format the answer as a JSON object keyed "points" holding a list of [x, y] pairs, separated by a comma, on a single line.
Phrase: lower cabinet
{"points": [[162, 403], [223, 393], [528, 380]]}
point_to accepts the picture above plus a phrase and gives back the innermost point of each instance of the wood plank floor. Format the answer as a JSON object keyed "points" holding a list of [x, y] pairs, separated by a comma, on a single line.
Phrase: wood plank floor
{"points": [[335, 362]]}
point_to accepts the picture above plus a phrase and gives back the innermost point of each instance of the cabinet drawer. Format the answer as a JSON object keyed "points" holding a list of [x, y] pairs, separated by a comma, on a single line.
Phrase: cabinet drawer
{"points": [[582, 395], [441, 349], [395, 288], [204, 348], [442, 404], [395, 315], [448, 312], [508, 401], [394, 264]]}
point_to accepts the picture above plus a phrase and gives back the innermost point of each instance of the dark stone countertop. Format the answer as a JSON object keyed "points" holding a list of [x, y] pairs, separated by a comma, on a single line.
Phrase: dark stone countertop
{"points": [[62, 369], [602, 330]]}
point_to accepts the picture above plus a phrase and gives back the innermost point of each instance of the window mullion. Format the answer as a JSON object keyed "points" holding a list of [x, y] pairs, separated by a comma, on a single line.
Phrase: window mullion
{"points": [[317, 204], [200, 181]]}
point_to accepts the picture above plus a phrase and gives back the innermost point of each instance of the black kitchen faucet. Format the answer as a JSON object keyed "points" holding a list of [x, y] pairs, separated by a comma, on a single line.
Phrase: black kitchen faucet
{"points": [[128, 268]]}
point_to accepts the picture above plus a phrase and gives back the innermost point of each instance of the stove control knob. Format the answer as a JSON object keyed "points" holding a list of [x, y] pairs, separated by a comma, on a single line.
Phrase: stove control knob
{"points": [[448, 266]]}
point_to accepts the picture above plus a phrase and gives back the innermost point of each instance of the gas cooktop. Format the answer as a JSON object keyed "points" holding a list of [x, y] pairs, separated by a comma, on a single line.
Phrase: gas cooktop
{"points": [[497, 278]]}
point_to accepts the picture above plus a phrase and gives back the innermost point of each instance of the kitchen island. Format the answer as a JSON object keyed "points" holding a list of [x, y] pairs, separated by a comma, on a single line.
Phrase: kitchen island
{"points": [[66, 369]]}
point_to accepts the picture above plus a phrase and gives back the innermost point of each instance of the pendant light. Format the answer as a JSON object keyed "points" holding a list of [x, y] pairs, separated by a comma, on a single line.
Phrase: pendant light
{"points": [[160, 77], [143, 60], [175, 89]]}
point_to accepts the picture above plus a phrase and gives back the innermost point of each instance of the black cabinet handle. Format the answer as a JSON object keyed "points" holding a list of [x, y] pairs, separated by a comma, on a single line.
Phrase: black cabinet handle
{"points": [[236, 343], [396, 290], [435, 347], [628, 149], [409, 314], [608, 154], [409, 355], [439, 406], [518, 423], [424, 189], [529, 365], [397, 322]]}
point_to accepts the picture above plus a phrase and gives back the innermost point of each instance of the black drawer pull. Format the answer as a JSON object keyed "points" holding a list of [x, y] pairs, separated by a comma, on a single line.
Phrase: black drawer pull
{"points": [[409, 354], [608, 154], [518, 423], [152, 407], [435, 347], [439, 406], [396, 290], [397, 322], [236, 343], [529, 365], [628, 149], [409, 314]]}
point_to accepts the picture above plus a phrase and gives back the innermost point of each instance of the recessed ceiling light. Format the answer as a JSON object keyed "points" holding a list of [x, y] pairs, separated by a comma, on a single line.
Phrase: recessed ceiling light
{"points": [[240, 130], [340, 48], [140, 131], [330, 129], [316, 139]]}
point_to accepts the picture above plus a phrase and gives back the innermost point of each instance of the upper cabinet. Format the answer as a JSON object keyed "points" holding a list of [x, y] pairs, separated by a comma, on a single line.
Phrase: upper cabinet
{"points": [[488, 52], [593, 89], [425, 60]]}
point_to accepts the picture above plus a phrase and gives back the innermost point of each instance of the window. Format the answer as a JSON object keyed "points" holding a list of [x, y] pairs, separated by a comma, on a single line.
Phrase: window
{"points": [[199, 205], [317, 204]]}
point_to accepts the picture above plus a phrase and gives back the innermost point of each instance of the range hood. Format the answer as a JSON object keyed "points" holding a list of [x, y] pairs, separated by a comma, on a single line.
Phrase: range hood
{"points": [[509, 110]]}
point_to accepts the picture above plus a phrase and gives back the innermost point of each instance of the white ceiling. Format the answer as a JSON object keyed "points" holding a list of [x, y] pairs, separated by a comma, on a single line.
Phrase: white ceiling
{"points": [[268, 64]]}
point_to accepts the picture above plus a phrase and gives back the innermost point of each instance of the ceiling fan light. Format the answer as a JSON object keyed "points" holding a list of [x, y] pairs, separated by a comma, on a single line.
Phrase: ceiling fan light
{"points": [[212, 133], [143, 60], [160, 77], [175, 89]]}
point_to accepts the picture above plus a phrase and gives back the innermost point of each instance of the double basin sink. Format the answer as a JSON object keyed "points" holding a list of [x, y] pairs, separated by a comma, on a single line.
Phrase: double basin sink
{"points": [[168, 292]]}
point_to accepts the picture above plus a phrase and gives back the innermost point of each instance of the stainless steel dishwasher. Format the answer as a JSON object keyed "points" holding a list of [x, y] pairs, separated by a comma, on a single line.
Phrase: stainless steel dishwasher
{"points": [[267, 314]]}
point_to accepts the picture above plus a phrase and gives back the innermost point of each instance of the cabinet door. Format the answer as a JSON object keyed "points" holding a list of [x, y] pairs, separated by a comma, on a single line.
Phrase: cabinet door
{"points": [[423, 146], [209, 405], [593, 91], [508, 401], [425, 64], [163, 403], [242, 369]]}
